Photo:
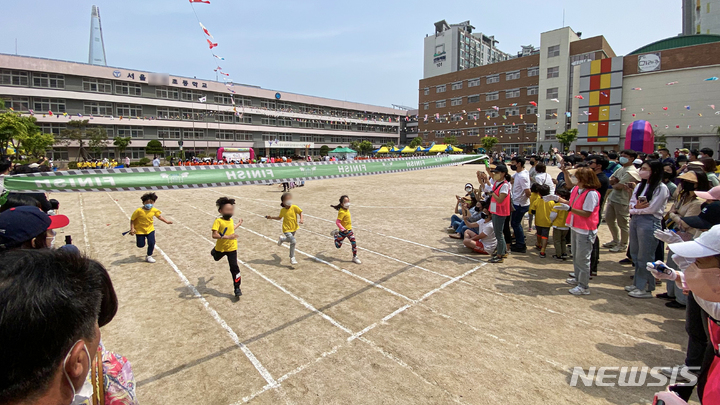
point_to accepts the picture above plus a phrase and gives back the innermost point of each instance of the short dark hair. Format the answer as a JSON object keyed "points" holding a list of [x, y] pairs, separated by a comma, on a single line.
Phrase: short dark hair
{"points": [[612, 155], [695, 152], [149, 196], [543, 189], [630, 153], [600, 160], [534, 188], [541, 168], [707, 151], [665, 149], [5, 165], [55, 204], [19, 200], [519, 159], [563, 193], [49, 299], [223, 201]]}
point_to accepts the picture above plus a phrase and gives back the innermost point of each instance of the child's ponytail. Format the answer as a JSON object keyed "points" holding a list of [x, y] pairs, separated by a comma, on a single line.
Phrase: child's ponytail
{"points": [[340, 205]]}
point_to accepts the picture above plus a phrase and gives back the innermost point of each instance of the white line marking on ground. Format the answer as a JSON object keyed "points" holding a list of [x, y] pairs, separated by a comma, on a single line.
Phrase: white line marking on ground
{"points": [[255, 362], [84, 225]]}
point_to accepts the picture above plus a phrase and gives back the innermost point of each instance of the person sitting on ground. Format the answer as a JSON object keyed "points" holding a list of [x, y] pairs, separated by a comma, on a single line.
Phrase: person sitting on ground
{"points": [[481, 239], [472, 213]]}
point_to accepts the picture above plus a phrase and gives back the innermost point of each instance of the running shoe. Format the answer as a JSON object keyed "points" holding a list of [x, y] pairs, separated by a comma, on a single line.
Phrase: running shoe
{"points": [[150, 259]]}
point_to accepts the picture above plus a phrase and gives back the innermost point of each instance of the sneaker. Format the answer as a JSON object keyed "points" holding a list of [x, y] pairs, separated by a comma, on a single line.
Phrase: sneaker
{"points": [[674, 304], [664, 296], [640, 294], [571, 281], [565, 257], [543, 255], [496, 259], [579, 290], [630, 288], [518, 249], [293, 261], [356, 260], [571, 275], [619, 248], [450, 229], [334, 233], [610, 244], [626, 261], [238, 293], [281, 240], [556, 257], [150, 259]]}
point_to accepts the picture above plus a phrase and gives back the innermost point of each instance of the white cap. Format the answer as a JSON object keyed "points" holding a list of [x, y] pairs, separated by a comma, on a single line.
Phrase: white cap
{"points": [[705, 245]]}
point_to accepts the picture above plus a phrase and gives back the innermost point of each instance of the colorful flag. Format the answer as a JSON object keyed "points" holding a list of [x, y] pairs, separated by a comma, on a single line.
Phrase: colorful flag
{"points": [[202, 99], [211, 44], [218, 57], [205, 30]]}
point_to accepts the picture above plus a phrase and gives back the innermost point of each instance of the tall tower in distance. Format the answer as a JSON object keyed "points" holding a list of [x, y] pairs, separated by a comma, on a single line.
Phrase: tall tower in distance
{"points": [[97, 45]]}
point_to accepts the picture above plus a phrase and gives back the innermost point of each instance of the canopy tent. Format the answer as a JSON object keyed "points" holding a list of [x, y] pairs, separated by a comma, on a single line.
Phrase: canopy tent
{"points": [[408, 149], [453, 148], [382, 150], [437, 149], [395, 149], [343, 152]]}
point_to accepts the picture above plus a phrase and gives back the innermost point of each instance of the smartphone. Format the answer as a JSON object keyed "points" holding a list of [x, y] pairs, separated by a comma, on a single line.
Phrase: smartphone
{"points": [[68, 240], [642, 199]]}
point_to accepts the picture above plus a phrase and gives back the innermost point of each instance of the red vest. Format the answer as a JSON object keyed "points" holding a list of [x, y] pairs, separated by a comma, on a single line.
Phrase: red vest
{"points": [[500, 208], [576, 201]]}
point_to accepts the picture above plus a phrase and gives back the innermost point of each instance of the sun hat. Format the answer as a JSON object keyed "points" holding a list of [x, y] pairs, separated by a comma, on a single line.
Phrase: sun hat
{"points": [[713, 194], [705, 245], [690, 176], [707, 218]]}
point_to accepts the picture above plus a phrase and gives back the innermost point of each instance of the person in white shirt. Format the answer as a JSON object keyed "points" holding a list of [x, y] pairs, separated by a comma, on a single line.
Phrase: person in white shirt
{"points": [[481, 239], [156, 162], [127, 161], [647, 206], [520, 194], [543, 178]]}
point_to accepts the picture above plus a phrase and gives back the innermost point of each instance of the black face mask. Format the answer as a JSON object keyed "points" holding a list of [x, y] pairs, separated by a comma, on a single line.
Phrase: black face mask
{"points": [[227, 217], [687, 186], [667, 176], [483, 215]]}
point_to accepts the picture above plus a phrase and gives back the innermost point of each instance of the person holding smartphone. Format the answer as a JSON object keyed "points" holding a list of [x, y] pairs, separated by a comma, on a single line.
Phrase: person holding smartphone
{"points": [[647, 206]]}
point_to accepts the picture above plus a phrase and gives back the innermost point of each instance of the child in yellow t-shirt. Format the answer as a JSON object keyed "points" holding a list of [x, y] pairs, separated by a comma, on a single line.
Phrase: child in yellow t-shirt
{"points": [[289, 214], [223, 231], [533, 196], [560, 228], [542, 209], [142, 224], [344, 224]]}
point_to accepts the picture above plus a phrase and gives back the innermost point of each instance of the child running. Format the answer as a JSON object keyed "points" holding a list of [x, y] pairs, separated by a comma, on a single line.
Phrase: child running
{"points": [[142, 224], [289, 214], [344, 224], [542, 209], [223, 230]]}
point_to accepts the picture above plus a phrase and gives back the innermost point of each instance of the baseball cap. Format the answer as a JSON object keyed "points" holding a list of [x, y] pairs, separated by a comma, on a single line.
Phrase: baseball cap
{"points": [[705, 245], [685, 150], [713, 194], [708, 217], [500, 169], [21, 224]]}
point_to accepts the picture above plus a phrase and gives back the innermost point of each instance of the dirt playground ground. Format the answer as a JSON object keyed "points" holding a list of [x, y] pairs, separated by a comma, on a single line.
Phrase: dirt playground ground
{"points": [[421, 321]]}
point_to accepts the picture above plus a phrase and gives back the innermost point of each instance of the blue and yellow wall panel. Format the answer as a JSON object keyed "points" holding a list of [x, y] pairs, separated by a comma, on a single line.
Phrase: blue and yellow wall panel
{"points": [[600, 108]]}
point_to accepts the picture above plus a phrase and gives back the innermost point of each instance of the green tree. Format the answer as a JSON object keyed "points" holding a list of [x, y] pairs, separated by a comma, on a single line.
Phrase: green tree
{"points": [[324, 150], [450, 140], [660, 140], [390, 145], [14, 127], [121, 144], [154, 147], [488, 143], [567, 138], [417, 141], [362, 147], [540, 150], [97, 140], [75, 134], [35, 144]]}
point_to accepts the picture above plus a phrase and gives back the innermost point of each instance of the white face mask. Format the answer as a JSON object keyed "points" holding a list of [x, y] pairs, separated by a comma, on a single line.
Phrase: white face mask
{"points": [[712, 308], [346, 205], [86, 391], [288, 203]]}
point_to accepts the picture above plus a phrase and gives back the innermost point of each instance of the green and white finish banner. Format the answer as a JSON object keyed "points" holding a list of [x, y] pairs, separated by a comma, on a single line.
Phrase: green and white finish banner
{"points": [[185, 177]]}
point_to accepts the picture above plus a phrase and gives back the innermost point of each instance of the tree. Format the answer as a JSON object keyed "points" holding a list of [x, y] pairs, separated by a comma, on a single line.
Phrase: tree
{"points": [[154, 147], [362, 147], [75, 133], [567, 138], [488, 143], [35, 144], [450, 140], [390, 145], [540, 150], [324, 150], [660, 140], [14, 127], [97, 140], [121, 144], [417, 141]]}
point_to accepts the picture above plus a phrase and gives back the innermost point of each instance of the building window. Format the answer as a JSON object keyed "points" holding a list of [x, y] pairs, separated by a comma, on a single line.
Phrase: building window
{"points": [[552, 93], [426, 106], [194, 134], [532, 91], [168, 113], [492, 113], [440, 89], [281, 137], [531, 128], [426, 91], [48, 80], [475, 115], [553, 51], [244, 136], [268, 121], [492, 79], [474, 99], [456, 101], [533, 71], [550, 133], [245, 119], [98, 108], [512, 75], [135, 153], [93, 85], [551, 114], [267, 104], [509, 112], [456, 117], [513, 129], [128, 89], [318, 139], [167, 93], [473, 83], [457, 86], [129, 132], [305, 138], [691, 142], [492, 96], [225, 135], [440, 104], [128, 110], [553, 72], [531, 110], [13, 77], [168, 133], [224, 117], [491, 131], [49, 104], [17, 103], [191, 115], [512, 93], [189, 95], [473, 132]]}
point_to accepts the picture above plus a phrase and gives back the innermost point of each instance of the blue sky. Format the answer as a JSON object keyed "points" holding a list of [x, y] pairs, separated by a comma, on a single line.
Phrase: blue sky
{"points": [[368, 51]]}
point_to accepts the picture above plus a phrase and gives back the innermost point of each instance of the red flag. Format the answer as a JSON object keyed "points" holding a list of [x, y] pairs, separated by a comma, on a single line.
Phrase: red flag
{"points": [[205, 30], [225, 74], [200, 1], [212, 45]]}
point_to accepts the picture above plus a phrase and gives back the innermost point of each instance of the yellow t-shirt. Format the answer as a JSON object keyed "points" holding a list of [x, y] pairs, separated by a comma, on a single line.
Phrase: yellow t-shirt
{"points": [[225, 228], [533, 197], [542, 210], [560, 219], [143, 220], [289, 216], [344, 217]]}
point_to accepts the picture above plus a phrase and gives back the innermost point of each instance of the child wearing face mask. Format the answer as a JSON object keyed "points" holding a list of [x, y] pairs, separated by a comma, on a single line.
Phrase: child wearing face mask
{"points": [[142, 224], [344, 224], [543, 220], [223, 231], [289, 214]]}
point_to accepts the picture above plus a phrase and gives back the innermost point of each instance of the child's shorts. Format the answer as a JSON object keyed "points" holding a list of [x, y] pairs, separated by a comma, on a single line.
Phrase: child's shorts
{"points": [[543, 232]]}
